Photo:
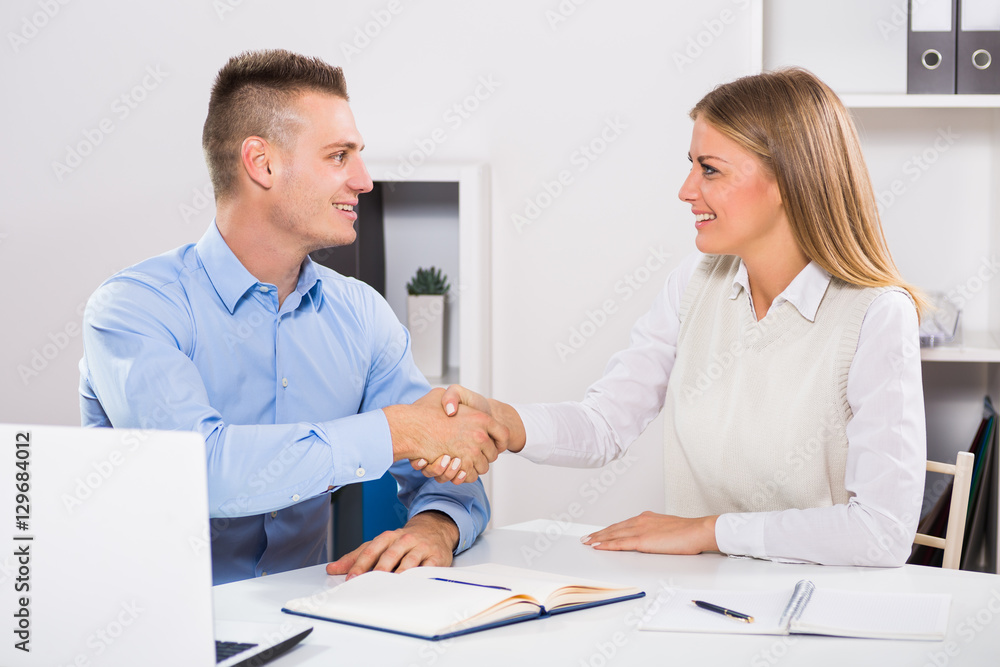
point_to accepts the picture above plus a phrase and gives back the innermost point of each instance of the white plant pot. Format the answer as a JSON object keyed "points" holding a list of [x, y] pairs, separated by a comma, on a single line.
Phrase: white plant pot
{"points": [[427, 320]]}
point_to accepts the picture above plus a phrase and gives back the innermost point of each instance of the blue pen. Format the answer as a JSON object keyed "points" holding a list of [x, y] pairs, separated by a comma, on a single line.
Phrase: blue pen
{"points": [[469, 583], [746, 618]]}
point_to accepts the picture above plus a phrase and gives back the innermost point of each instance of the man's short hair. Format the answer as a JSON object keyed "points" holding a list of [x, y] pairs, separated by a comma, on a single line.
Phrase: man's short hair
{"points": [[253, 95]]}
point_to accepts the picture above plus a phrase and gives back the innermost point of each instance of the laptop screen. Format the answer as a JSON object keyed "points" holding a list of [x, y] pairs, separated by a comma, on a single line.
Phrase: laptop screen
{"points": [[107, 552]]}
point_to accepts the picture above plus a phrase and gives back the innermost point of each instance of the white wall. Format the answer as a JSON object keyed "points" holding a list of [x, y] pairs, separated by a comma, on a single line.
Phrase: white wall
{"points": [[555, 83]]}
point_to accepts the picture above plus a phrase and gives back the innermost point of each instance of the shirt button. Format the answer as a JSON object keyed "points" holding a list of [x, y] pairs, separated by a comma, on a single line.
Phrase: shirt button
{"points": [[263, 289], [274, 515], [360, 472], [295, 497], [284, 382]]}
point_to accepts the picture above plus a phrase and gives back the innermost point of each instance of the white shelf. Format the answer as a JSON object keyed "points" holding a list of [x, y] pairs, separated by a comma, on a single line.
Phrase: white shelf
{"points": [[902, 101], [976, 347], [446, 172], [472, 284]]}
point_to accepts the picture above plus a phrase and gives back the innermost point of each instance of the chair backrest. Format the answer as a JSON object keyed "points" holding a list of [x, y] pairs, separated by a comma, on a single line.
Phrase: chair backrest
{"points": [[955, 536]]}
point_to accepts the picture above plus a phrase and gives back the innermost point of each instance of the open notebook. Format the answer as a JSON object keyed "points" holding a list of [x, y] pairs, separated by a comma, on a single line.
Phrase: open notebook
{"points": [[442, 602], [804, 610]]}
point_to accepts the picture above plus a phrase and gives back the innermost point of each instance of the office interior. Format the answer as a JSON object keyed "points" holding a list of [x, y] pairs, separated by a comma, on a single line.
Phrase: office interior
{"points": [[572, 116]]}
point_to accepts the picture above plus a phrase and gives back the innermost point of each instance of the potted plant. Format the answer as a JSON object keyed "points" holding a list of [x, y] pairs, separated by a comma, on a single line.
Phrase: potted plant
{"points": [[427, 319]]}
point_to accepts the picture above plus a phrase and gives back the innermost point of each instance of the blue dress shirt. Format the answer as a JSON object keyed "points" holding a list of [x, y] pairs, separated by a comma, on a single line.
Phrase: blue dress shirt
{"points": [[287, 398]]}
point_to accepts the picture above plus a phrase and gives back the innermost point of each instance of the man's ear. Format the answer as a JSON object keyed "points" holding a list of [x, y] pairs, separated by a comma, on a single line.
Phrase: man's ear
{"points": [[256, 154]]}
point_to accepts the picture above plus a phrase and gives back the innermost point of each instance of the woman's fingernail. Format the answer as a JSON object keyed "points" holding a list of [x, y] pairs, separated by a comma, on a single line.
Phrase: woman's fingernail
{"points": [[461, 475], [456, 464], [444, 461], [585, 539], [450, 409], [421, 463]]}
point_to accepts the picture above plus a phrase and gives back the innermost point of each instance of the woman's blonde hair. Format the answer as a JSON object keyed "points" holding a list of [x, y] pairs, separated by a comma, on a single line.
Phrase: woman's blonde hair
{"points": [[802, 133]]}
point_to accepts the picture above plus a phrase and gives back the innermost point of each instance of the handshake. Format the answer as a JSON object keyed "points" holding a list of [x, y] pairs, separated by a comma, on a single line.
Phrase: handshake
{"points": [[453, 434]]}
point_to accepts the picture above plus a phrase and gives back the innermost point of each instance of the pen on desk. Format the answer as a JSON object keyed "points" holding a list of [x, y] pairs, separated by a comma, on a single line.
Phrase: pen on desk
{"points": [[725, 612]]}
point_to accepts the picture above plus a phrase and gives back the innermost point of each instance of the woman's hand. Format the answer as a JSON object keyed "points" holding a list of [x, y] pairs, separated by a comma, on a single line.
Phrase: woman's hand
{"points": [[445, 469], [657, 534]]}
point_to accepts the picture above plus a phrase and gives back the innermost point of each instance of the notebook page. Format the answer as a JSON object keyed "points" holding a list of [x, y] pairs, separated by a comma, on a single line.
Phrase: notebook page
{"points": [[673, 611], [538, 585], [487, 576], [401, 604], [881, 615]]}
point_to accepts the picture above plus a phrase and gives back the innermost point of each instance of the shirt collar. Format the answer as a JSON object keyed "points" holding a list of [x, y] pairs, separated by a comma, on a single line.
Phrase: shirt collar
{"points": [[804, 292], [310, 282], [228, 275], [232, 280]]}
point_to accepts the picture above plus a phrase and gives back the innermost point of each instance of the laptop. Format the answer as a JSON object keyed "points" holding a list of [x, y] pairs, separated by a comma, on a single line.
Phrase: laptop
{"points": [[105, 556]]}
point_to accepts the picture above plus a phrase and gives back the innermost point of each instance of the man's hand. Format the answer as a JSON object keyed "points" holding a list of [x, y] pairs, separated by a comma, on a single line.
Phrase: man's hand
{"points": [[429, 538], [657, 534], [444, 468], [422, 432]]}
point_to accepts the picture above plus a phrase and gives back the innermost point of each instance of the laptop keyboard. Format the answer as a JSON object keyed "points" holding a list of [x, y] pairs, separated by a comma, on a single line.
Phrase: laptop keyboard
{"points": [[225, 650]]}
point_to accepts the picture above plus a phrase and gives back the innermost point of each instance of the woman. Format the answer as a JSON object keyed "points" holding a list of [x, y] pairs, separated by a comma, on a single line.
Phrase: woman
{"points": [[785, 359]]}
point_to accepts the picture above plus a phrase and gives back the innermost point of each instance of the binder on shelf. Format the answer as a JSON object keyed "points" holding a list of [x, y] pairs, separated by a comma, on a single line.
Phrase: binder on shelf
{"points": [[930, 46], [978, 52]]}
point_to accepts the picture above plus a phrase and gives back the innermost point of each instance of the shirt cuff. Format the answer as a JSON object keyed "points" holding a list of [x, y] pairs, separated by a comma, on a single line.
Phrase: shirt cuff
{"points": [[538, 443], [456, 512], [361, 447], [741, 534]]}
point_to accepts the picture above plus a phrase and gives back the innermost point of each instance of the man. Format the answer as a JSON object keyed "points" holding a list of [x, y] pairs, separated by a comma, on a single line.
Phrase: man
{"points": [[299, 379]]}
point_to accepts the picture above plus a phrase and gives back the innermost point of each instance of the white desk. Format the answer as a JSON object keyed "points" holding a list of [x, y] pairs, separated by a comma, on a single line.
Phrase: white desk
{"points": [[607, 636]]}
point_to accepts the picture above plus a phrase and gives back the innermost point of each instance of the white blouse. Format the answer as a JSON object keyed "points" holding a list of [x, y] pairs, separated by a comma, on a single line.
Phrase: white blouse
{"points": [[886, 436]]}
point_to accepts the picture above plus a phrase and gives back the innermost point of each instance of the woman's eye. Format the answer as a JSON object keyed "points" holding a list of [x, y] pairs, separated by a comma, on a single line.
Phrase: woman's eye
{"points": [[708, 170]]}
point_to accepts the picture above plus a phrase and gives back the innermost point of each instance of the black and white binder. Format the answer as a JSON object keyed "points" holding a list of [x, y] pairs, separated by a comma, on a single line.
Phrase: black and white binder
{"points": [[978, 53], [930, 46]]}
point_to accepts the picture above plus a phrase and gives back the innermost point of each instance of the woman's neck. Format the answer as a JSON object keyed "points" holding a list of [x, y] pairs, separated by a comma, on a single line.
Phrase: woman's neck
{"points": [[770, 275]]}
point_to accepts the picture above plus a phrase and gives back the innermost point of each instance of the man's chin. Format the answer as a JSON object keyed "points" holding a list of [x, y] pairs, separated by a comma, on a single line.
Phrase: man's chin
{"points": [[345, 240], [335, 242]]}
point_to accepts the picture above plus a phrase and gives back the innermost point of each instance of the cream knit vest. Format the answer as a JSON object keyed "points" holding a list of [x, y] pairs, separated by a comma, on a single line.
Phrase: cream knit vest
{"points": [[755, 412]]}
